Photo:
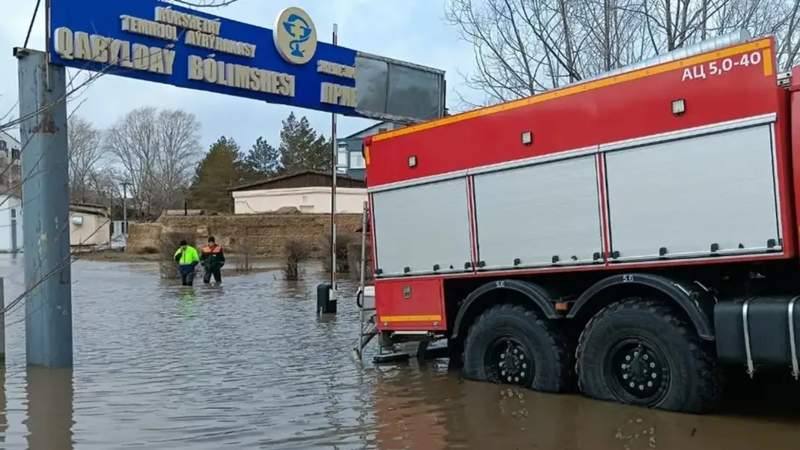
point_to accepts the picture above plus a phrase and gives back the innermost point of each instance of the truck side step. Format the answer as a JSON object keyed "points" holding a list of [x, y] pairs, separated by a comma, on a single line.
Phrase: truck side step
{"points": [[388, 358]]}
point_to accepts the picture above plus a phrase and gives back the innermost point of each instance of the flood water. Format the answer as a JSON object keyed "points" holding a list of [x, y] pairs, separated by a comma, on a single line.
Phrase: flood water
{"points": [[249, 365]]}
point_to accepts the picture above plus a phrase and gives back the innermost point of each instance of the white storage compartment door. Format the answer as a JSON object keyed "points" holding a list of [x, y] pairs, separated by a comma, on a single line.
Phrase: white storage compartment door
{"points": [[534, 213], [421, 226], [688, 194]]}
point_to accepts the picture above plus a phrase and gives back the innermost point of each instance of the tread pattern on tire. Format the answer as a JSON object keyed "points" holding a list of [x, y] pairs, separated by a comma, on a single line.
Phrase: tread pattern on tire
{"points": [[706, 370], [559, 379]]}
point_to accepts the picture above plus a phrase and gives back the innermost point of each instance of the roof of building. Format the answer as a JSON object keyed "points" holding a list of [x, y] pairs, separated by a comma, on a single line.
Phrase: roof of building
{"points": [[308, 178], [89, 208], [373, 129]]}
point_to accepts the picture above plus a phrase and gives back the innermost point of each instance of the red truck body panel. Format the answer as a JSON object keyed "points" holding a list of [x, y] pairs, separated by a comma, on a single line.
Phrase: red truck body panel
{"points": [[724, 85], [411, 304]]}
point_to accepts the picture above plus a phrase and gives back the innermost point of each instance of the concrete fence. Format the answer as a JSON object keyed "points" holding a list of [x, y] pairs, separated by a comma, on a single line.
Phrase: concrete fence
{"points": [[263, 235]]}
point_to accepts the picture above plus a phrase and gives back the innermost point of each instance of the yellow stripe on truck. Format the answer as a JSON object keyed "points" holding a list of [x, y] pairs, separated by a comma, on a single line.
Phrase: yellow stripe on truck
{"points": [[762, 44], [389, 319], [767, 62]]}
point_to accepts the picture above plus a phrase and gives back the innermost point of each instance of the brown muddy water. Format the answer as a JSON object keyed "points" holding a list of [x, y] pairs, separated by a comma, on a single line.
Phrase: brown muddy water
{"points": [[249, 365]]}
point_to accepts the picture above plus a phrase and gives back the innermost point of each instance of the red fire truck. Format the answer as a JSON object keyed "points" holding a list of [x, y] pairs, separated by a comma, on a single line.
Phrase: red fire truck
{"points": [[632, 233]]}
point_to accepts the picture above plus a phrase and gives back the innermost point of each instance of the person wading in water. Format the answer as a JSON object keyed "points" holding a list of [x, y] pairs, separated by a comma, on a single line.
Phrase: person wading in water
{"points": [[213, 258], [186, 257]]}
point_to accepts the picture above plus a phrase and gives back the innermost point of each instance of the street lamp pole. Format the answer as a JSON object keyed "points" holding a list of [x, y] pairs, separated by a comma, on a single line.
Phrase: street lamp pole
{"points": [[125, 185], [334, 169]]}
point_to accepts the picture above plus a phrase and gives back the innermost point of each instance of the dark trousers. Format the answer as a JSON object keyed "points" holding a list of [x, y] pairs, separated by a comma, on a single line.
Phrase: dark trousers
{"points": [[187, 275], [215, 272]]}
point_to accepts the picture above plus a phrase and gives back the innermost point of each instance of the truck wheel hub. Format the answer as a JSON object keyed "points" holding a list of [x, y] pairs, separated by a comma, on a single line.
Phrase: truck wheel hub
{"points": [[511, 362], [639, 370]]}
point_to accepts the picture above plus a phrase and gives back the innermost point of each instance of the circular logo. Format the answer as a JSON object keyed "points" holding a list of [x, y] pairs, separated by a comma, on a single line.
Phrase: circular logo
{"points": [[295, 36]]}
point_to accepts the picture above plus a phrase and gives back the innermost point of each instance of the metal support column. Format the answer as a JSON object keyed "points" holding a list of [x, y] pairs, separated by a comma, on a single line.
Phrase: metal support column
{"points": [[45, 197], [334, 170]]}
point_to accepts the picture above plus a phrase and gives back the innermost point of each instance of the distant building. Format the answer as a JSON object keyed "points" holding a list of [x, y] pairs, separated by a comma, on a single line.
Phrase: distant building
{"points": [[10, 224], [89, 225], [308, 192], [10, 170], [351, 158]]}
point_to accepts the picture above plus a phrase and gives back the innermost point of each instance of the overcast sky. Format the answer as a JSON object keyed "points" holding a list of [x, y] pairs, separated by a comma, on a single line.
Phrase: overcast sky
{"points": [[410, 30]]}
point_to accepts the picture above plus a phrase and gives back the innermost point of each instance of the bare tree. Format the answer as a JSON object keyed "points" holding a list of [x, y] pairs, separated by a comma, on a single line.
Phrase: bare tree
{"points": [[105, 187], [85, 152], [522, 47], [177, 133], [155, 151]]}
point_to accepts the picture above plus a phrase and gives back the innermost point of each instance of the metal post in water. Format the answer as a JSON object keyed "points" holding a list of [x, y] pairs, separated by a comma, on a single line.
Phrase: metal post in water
{"points": [[45, 197], [334, 169]]}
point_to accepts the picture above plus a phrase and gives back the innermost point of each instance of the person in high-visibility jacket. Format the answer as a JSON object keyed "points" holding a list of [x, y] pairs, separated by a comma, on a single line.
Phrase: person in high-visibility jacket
{"points": [[213, 259], [187, 258]]}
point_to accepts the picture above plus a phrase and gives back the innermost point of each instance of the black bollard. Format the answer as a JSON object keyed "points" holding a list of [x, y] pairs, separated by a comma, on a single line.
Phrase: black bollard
{"points": [[325, 305]]}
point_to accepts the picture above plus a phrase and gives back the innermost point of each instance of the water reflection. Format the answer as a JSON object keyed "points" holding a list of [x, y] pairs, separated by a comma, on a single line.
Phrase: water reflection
{"points": [[429, 406], [187, 302], [50, 420], [252, 366]]}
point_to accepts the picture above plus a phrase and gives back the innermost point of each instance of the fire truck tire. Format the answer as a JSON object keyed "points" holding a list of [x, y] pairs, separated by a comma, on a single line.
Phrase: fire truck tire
{"points": [[640, 351], [513, 345]]}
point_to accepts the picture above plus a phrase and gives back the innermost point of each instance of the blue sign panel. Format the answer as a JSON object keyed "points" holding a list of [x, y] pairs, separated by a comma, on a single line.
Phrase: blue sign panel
{"points": [[156, 41]]}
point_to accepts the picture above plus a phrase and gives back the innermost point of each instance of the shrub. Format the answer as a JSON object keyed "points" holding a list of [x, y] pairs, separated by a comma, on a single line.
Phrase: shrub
{"points": [[296, 252], [343, 241]]}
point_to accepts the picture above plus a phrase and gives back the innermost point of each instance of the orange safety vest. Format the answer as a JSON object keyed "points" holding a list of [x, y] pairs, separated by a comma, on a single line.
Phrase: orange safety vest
{"points": [[213, 251]]}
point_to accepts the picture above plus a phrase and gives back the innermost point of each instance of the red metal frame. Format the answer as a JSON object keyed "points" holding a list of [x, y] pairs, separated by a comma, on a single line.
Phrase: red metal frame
{"points": [[603, 111], [792, 108], [604, 222]]}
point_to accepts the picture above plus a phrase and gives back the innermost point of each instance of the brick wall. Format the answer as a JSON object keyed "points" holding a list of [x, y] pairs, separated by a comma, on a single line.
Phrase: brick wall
{"points": [[260, 235]]}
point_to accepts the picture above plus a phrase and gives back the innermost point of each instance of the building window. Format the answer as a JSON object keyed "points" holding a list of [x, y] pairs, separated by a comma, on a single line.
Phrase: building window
{"points": [[341, 160], [357, 161]]}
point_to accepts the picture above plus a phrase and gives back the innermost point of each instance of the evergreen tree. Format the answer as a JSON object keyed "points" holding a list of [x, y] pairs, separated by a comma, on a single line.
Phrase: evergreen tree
{"points": [[221, 169], [263, 161], [302, 148]]}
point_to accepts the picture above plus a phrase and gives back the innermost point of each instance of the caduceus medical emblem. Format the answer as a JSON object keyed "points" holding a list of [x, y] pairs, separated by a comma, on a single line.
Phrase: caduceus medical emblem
{"points": [[300, 31], [295, 36]]}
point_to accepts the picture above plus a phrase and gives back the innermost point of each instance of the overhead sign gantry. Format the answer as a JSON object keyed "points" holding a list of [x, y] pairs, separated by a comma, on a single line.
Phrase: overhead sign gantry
{"points": [[161, 42]]}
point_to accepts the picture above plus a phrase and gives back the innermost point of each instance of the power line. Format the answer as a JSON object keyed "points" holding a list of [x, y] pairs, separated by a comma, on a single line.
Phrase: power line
{"points": [[72, 257], [30, 27]]}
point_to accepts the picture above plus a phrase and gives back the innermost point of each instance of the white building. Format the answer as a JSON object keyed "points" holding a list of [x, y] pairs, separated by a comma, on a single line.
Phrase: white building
{"points": [[309, 192], [10, 224], [89, 226]]}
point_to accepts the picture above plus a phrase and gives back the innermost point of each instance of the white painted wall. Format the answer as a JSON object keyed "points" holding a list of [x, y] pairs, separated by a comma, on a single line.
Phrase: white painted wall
{"points": [[310, 200], [95, 229], [7, 204]]}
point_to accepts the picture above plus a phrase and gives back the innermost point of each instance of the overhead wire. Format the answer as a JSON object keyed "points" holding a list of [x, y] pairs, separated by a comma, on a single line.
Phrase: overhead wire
{"points": [[68, 260], [30, 27]]}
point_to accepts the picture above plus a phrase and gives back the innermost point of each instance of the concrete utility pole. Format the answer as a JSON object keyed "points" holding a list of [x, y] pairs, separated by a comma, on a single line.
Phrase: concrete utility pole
{"points": [[45, 197], [2, 322]]}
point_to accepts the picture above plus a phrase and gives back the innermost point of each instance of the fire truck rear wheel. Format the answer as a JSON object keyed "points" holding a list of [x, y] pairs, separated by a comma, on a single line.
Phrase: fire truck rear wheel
{"points": [[640, 351], [513, 345]]}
